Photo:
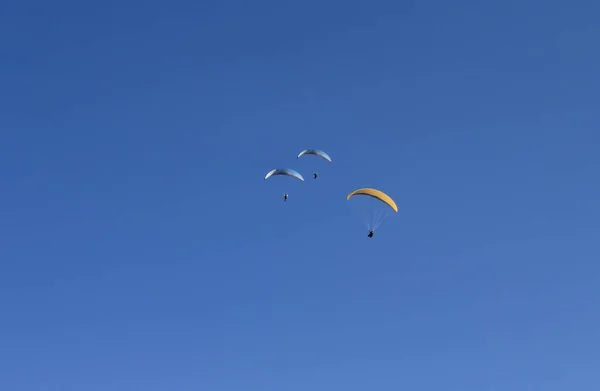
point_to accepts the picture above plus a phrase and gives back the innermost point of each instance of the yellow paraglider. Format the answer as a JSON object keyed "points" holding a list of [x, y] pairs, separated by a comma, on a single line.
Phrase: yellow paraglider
{"points": [[374, 218], [375, 194]]}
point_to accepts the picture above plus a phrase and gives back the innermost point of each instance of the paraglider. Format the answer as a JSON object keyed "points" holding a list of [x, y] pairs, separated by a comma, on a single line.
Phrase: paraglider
{"points": [[314, 152], [375, 215], [285, 172]]}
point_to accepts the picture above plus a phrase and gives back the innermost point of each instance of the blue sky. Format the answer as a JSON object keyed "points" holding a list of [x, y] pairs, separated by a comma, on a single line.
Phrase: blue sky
{"points": [[140, 248]]}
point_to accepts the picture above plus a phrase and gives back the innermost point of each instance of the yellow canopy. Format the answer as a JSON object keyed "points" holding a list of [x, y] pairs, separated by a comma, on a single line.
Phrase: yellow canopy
{"points": [[375, 194]]}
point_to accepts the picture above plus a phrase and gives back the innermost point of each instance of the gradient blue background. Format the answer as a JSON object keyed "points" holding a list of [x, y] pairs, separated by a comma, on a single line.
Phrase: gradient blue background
{"points": [[140, 248]]}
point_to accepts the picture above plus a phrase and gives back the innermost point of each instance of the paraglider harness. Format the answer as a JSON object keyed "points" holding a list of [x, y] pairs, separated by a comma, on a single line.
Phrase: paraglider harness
{"points": [[371, 232]]}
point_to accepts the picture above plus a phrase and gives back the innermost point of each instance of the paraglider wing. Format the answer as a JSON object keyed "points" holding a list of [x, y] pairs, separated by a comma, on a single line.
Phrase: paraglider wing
{"points": [[316, 152], [375, 194], [284, 171]]}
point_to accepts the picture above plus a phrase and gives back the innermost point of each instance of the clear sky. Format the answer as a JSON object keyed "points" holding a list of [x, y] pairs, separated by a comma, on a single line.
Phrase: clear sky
{"points": [[141, 249]]}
